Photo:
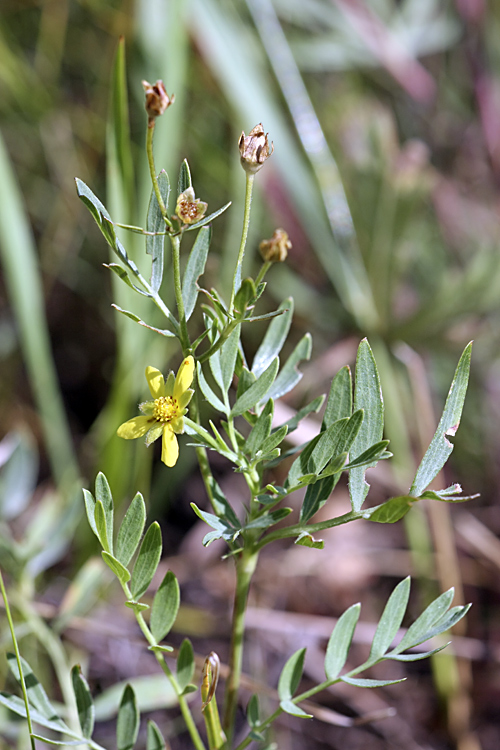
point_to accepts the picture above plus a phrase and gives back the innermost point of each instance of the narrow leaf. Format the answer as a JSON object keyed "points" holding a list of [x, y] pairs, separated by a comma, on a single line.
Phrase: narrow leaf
{"points": [[274, 339], [289, 375], [147, 561], [291, 708], [18, 706], [208, 393], [440, 448], [257, 391], [340, 642], [131, 528], [118, 569], [228, 354], [185, 664], [37, 696], [155, 243], [261, 430], [367, 683], [84, 702], [103, 495], [339, 404], [100, 522], [194, 269], [291, 674], [127, 723], [154, 738], [184, 181], [391, 620], [367, 396], [312, 407], [165, 607], [417, 632], [253, 712], [90, 510]]}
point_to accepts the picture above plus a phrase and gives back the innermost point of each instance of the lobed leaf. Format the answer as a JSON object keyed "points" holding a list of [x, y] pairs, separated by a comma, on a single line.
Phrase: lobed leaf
{"points": [[289, 375]]}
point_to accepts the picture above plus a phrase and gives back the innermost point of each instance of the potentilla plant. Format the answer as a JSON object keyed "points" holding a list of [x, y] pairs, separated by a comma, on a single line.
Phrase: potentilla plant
{"points": [[213, 367]]}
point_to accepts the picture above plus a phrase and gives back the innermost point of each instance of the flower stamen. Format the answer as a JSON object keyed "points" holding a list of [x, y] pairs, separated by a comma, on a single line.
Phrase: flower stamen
{"points": [[166, 408]]}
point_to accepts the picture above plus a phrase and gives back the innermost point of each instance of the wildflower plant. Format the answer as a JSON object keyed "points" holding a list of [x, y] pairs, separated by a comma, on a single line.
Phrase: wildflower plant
{"points": [[214, 368]]}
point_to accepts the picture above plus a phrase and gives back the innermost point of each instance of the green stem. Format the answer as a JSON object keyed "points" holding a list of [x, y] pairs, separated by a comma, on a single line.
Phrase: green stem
{"points": [[183, 705], [152, 170], [244, 235], [220, 341], [245, 567], [264, 269], [18, 658]]}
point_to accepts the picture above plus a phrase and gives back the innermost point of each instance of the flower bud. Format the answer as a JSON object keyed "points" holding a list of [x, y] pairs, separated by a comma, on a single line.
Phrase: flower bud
{"points": [[157, 99], [276, 249], [254, 149], [189, 209]]}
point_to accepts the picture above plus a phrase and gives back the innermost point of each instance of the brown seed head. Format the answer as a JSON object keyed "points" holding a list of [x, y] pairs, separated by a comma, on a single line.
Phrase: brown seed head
{"points": [[276, 249], [189, 209], [254, 149], [157, 99]]}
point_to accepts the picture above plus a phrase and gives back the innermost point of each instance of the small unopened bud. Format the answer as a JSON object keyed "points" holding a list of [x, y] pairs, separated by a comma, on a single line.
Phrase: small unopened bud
{"points": [[189, 209], [157, 99], [276, 249], [254, 149]]}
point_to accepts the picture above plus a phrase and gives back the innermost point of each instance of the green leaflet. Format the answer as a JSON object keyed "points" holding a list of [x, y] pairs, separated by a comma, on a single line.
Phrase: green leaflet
{"points": [[147, 561]]}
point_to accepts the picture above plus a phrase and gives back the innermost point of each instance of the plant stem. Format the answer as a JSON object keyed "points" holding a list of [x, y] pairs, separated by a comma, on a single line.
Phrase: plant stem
{"points": [[152, 170], [263, 270], [245, 567], [185, 710], [244, 235], [18, 658]]}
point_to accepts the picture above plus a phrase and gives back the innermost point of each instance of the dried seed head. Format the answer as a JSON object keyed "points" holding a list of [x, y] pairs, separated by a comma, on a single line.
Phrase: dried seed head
{"points": [[189, 209], [157, 99], [254, 149], [276, 249]]}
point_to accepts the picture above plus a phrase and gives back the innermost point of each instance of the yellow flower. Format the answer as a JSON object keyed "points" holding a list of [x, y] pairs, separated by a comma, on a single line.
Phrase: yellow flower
{"points": [[163, 415]]}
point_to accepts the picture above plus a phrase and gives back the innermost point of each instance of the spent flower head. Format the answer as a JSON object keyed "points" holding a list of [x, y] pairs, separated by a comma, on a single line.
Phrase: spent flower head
{"points": [[275, 250], [254, 149], [188, 208], [157, 99], [164, 414]]}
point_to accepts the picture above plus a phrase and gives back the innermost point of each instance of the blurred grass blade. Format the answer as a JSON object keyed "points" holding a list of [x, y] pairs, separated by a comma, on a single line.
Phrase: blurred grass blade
{"points": [[24, 286]]}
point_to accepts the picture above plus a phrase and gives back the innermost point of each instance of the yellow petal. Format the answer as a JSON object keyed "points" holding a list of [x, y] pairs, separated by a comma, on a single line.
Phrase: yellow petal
{"points": [[184, 377], [177, 425], [169, 447], [185, 399], [155, 382], [169, 385], [134, 428]]}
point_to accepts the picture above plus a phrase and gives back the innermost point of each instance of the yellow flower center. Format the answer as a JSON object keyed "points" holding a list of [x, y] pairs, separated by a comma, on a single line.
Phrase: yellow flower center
{"points": [[166, 408]]}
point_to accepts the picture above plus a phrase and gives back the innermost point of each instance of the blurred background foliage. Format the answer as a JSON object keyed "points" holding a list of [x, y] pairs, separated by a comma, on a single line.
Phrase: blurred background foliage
{"points": [[386, 171]]}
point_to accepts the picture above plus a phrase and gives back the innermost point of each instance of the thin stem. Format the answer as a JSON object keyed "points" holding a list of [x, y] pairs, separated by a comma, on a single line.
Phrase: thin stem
{"points": [[263, 270], [244, 235], [185, 710], [222, 338], [18, 659], [152, 170], [245, 567]]}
